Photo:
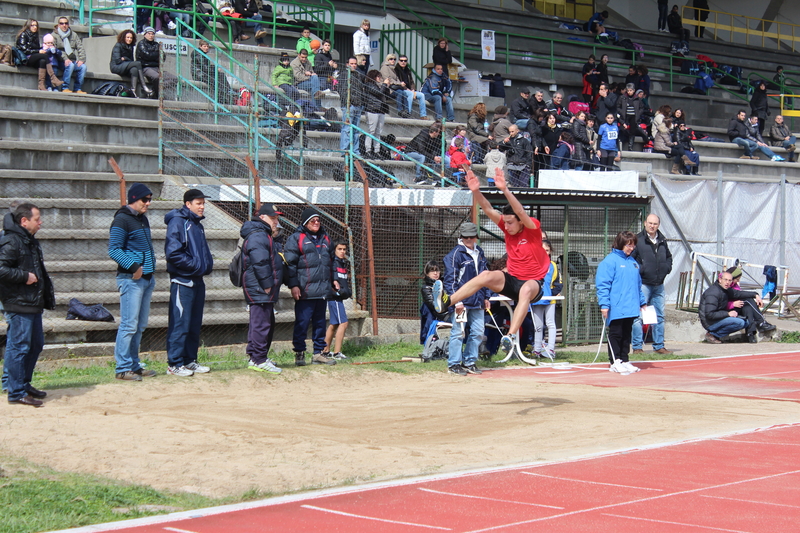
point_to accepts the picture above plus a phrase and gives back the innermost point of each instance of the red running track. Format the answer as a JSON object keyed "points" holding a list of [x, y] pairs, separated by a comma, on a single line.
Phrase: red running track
{"points": [[746, 482], [766, 376]]}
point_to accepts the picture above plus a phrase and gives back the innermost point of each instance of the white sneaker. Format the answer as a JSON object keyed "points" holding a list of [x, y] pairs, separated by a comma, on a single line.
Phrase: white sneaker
{"points": [[171, 25], [180, 371], [266, 366], [547, 352], [630, 367], [619, 368], [198, 369], [338, 356]]}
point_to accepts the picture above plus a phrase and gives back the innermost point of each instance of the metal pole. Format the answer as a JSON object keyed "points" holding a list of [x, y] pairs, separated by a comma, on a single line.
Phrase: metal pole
{"points": [[565, 278], [782, 236], [720, 206], [373, 303]]}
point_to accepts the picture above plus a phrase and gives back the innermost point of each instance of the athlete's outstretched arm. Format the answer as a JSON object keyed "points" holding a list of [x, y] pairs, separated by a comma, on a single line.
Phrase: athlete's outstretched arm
{"points": [[475, 186], [500, 183]]}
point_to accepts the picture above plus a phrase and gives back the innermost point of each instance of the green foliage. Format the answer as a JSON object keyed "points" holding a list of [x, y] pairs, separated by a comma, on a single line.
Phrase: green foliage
{"points": [[40, 499], [789, 337]]}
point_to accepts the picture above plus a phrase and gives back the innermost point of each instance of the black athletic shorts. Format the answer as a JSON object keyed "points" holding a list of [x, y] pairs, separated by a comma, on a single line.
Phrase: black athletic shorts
{"points": [[513, 285]]}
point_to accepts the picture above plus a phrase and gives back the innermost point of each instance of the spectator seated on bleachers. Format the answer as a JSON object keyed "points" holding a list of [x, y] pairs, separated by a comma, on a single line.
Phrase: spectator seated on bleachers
{"points": [[325, 66], [629, 110], [56, 63], [406, 79], [521, 108], [283, 77], [556, 107], [675, 25], [782, 136], [71, 45], [595, 24], [437, 89], [203, 70], [745, 133], [250, 9], [28, 43], [305, 78], [498, 129], [123, 65], [683, 135], [716, 318], [147, 53], [426, 149]]}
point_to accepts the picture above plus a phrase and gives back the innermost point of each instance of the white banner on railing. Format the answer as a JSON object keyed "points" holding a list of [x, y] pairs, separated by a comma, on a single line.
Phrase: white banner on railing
{"points": [[577, 180], [487, 45]]}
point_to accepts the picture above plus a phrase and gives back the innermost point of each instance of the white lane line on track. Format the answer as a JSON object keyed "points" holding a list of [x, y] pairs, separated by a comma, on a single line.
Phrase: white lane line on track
{"points": [[592, 482], [775, 373], [640, 500], [364, 517], [698, 526], [757, 442], [176, 530], [489, 499], [707, 380], [750, 501]]}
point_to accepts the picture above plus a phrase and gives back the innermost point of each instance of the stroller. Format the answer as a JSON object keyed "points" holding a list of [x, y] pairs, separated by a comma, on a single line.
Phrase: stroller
{"points": [[437, 345]]}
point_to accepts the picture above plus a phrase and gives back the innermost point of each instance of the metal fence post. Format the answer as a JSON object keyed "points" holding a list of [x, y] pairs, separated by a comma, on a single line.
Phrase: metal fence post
{"points": [[720, 205], [782, 237]]}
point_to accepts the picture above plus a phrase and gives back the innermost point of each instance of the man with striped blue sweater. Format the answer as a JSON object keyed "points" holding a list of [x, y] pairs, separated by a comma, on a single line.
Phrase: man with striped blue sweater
{"points": [[131, 247]]}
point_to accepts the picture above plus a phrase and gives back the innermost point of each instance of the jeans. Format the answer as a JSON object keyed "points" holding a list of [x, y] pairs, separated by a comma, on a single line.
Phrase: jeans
{"points": [[752, 146], [68, 70], [522, 123], [354, 116], [185, 320], [24, 343], [260, 332], [662, 16], [726, 326], [420, 160], [309, 312], [312, 86], [406, 98], [437, 105], [792, 140], [476, 326], [134, 304], [653, 295]]}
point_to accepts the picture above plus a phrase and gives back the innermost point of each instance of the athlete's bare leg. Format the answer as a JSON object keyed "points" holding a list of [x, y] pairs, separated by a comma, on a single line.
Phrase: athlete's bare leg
{"points": [[491, 279], [528, 292]]}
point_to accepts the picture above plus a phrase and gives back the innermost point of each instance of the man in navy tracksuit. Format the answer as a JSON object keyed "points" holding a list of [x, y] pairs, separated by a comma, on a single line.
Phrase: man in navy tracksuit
{"points": [[463, 263], [261, 284], [308, 259], [188, 260]]}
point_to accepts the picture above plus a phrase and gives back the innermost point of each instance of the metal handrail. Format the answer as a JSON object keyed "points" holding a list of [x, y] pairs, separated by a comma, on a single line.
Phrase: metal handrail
{"points": [[792, 36]]}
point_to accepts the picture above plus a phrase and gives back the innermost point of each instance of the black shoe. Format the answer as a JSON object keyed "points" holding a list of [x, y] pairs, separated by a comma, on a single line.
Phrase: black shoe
{"points": [[457, 370], [128, 375], [299, 359], [751, 338], [766, 326], [145, 373], [472, 369], [27, 400], [36, 393]]}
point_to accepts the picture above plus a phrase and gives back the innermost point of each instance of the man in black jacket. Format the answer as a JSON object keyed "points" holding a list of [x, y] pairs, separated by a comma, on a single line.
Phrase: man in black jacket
{"points": [[308, 260], [261, 284], [737, 133], [715, 317], [629, 110], [655, 260], [519, 155], [521, 109], [425, 149], [26, 292]]}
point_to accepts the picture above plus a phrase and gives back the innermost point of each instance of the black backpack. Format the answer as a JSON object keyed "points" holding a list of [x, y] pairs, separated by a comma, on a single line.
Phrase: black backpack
{"points": [[236, 268], [113, 88], [80, 311]]}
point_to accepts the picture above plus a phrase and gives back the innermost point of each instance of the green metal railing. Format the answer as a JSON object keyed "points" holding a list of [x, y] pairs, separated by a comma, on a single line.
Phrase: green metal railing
{"points": [[323, 17]]}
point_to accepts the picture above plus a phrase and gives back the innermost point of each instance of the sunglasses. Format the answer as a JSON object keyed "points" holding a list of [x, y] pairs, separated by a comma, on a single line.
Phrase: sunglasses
{"points": [[404, 60], [63, 23]]}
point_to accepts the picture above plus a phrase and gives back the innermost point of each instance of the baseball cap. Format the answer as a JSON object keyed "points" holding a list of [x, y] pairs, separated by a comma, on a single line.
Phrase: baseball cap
{"points": [[193, 194], [269, 210], [468, 229]]}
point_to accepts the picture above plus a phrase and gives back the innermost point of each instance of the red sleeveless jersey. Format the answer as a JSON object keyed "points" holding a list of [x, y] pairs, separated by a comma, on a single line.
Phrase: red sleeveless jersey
{"points": [[526, 258]]}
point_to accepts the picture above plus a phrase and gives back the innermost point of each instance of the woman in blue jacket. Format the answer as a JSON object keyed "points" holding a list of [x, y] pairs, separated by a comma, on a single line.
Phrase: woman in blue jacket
{"points": [[619, 294]]}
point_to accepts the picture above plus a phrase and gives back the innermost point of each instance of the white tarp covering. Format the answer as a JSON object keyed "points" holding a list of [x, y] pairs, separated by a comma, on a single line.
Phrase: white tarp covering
{"points": [[577, 180], [750, 229]]}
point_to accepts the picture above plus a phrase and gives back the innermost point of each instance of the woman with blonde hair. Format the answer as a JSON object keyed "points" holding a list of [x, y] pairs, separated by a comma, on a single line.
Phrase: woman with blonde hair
{"points": [[361, 44]]}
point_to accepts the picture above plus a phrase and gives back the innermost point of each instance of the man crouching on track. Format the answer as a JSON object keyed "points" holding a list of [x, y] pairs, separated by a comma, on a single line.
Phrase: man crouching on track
{"points": [[527, 261]]}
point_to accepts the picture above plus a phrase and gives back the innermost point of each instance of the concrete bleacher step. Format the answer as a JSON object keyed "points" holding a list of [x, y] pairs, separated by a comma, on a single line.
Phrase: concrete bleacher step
{"points": [[46, 155], [23, 125], [30, 100], [16, 183]]}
